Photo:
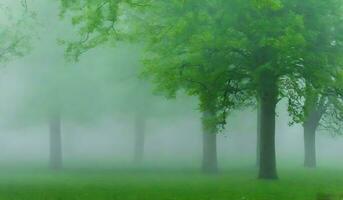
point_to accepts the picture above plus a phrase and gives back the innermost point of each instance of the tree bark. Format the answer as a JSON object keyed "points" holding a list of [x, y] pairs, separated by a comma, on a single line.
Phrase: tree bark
{"points": [[55, 142], [210, 161], [139, 138], [258, 136], [310, 126], [268, 99], [310, 146]]}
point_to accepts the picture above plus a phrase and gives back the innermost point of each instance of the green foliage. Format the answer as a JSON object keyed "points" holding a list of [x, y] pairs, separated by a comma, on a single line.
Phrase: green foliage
{"points": [[271, 4], [96, 21], [317, 89], [218, 51], [222, 51], [15, 34]]}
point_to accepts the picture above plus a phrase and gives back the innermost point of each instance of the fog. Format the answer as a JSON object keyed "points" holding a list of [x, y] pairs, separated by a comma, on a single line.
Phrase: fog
{"points": [[147, 99], [98, 98], [108, 143]]}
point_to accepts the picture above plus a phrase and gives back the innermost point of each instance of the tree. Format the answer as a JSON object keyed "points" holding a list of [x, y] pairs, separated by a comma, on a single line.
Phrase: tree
{"points": [[320, 106], [317, 90], [133, 97], [97, 32], [197, 67], [219, 51], [56, 91], [55, 142], [246, 48], [232, 48]]}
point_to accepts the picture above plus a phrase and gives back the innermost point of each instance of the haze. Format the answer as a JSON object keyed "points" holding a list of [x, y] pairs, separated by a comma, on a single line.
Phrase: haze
{"points": [[79, 99]]}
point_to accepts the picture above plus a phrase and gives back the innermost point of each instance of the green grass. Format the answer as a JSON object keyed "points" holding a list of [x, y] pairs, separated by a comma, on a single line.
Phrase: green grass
{"points": [[235, 184]]}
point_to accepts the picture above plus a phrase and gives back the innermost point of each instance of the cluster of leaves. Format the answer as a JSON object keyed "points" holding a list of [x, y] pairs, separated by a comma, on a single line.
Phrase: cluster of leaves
{"points": [[96, 21], [224, 51], [14, 32], [218, 50], [317, 92]]}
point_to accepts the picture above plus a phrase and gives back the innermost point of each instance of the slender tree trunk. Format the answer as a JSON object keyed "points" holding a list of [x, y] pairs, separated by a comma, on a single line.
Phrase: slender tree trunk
{"points": [[139, 138], [55, 142], [268, 98], [310, 146], [258, 136], [315, 107], [210, 161], [310, 126]]}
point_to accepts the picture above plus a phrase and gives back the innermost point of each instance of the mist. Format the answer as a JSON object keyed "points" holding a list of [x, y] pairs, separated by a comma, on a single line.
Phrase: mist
{"points": [[171, 100]]}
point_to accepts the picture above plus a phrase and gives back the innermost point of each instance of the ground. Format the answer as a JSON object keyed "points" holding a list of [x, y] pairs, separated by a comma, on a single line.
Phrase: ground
{"points": [[154, 184]]}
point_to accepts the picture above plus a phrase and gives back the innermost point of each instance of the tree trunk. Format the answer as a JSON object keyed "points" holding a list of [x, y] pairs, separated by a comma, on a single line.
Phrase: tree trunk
{"points": [[139, 138], [258, 136], [209, 162], [268, 98], [310, 145], [310, 126], [55, 142]]}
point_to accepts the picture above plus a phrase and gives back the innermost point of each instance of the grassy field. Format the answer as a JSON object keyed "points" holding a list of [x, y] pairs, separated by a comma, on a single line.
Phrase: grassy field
{"points": [[235, 184]]}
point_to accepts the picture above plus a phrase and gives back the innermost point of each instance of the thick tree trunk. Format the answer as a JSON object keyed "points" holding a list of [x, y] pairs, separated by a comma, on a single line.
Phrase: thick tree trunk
{"points": [[209, 162], [268, 99], [258, 136], [55, 142], [139, 138]]}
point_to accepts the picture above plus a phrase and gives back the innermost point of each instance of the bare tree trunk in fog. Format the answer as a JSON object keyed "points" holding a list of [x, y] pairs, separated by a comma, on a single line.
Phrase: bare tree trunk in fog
{"points": [[310, 126], [310, 145], [209, 162], [55, 142], [258, 133], [140, 126], [268, 99]]}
